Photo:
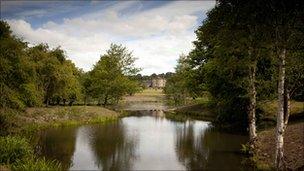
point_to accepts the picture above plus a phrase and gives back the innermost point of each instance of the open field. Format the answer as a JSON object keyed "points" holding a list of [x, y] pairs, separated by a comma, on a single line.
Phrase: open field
{"points": [[147, 95]]}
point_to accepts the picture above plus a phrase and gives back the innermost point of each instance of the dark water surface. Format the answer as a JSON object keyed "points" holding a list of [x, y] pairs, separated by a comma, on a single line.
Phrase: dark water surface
{"points": [[147, 140]]}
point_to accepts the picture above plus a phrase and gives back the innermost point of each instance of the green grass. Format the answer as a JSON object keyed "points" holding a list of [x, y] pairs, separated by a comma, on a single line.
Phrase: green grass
{"points": [[270, 109], [36, 165], [34, 119], [151, 92], [176, 117], [198, 108], [17, 154], [13, 149], [147, 95]]}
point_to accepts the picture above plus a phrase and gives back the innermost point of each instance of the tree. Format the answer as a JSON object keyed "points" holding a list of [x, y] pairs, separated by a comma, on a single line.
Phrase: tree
{"points": [[33, 75], [234, 46], [15, 70], [224, 55], [285, 20], [183, 83], [109, 77]]}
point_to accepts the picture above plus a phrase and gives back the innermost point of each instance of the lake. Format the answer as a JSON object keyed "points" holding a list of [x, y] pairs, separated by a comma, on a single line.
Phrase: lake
{"points": [[144, 140]]}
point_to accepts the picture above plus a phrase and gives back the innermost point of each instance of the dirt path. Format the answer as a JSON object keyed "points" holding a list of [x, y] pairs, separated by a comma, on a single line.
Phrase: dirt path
{"points": [[293, 147]]}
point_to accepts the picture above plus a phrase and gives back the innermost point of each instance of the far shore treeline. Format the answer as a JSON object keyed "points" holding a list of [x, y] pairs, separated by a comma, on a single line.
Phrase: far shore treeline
{"points": [[39, 75]]}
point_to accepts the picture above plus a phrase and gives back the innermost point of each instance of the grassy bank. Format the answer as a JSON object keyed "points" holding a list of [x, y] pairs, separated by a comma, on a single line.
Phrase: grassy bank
{"points": [[198, 108], [196, 111], [33, 119], [19, 127], [269, 110]]}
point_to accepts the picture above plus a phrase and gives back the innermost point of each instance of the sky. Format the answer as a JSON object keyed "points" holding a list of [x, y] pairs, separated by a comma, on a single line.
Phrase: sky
{"points": [[157, 32]]}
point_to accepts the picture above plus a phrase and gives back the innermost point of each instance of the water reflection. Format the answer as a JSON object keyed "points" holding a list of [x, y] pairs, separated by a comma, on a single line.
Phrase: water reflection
{"points": [[83, 157], [58, 144], [199, 146], [189, 147], [145, 140], [113, 148]]}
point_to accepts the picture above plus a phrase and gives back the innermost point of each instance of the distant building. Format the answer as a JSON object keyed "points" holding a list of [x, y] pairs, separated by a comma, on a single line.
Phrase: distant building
{"points": [[157, 82]]}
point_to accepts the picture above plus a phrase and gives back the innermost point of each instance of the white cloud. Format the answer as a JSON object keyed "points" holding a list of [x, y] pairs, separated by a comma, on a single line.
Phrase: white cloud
{"points": [[156, 36]]}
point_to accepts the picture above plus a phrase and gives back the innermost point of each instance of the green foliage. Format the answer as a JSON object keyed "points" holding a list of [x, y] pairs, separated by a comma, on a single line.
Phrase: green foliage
{"points": [[31, 76], [36, 165], [13, 149], [7, 120], [185, 82], [12, 68], [109, 80], [245, 149], [31, 96], [295, 75], [175, 90], [234, 40]]}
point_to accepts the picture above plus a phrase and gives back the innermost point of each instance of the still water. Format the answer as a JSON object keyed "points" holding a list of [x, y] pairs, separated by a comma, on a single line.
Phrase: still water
{"points": [[145, 140]]}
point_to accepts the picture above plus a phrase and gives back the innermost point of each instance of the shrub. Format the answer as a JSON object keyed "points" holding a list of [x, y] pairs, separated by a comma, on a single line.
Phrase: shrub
{"points": [[31, 96], [37, 164], [13, 149]]}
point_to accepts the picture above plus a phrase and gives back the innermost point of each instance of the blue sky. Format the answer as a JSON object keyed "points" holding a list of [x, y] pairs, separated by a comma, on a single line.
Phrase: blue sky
{"points": [[156, 31]]}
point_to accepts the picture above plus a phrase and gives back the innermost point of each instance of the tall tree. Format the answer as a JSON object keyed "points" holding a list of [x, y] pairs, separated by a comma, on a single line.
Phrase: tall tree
{"points": [[285, 19], [14, 67], [110, 75]]}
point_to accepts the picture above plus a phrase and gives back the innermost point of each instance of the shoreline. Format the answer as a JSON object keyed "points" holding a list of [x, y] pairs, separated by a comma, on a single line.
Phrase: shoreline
{"points": [[34, 119], [24, 125], [264, 156]]}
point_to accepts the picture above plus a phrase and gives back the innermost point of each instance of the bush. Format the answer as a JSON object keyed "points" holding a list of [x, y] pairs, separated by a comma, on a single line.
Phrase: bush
{"points": [[11, 99], [8, 121], [30, 95], [13, 149], [37, 164]]}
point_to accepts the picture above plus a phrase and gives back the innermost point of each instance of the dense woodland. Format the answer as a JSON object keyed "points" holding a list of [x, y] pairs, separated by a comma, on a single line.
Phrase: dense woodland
{"points": [[39, 75], [246, 52]]}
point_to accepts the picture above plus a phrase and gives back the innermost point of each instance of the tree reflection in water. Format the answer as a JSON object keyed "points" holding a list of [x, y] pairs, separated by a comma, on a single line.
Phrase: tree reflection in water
{"points": [[58, 145], [201, 147], [145, 140], [112, 147], [189, 147]]}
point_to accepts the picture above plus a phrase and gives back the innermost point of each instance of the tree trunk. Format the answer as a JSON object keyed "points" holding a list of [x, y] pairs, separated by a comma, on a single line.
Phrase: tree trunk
{"points": [[105, 101], [252, 106], [85, 100], [47, 102], [279, 154], [58, 101]]}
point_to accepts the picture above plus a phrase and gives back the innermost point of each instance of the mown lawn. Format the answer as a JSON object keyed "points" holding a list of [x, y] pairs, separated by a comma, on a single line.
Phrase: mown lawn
{"points": [[147, 95]]}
